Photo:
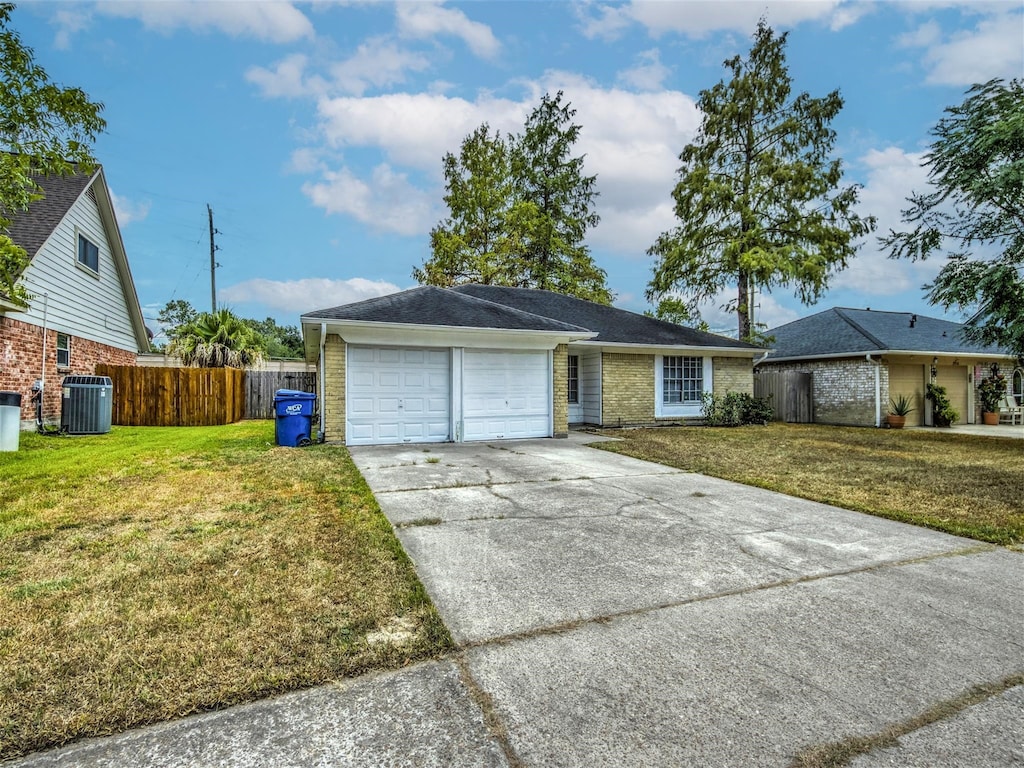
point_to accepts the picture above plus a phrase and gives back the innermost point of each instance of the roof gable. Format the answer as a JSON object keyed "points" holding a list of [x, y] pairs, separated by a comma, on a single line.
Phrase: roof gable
{"points": [[613, 325], [429, 305], [30, 229], [862, 331]]}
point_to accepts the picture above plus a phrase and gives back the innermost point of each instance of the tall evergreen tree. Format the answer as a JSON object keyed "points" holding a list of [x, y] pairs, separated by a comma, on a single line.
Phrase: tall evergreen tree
{"points": [[519, 210], [474, 243], [975, 213], [45, 130], [759, 199], [555, 256]]}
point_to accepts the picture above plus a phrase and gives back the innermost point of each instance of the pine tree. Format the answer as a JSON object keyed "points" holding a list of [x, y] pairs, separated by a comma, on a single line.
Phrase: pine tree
{"points": [[758, 199]]}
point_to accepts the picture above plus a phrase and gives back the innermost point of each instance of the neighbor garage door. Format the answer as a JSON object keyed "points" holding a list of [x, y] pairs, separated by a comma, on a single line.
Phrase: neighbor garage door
{"points": [[954, 379], [505, 395], [909, 380], [397, 395]]}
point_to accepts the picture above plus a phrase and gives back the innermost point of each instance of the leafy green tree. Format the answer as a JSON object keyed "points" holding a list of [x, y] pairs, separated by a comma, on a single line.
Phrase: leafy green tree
{"points": [[519, 210], [279, 340], [475, 243], [759, 199], [546, 174], [217, 340], [175, 314], [676, 310], [975, 215], [45, 130]]}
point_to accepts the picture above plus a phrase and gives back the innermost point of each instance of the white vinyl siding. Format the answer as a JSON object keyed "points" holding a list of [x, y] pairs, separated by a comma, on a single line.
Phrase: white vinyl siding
{"points": [[590, 386], [679, 383], [75, 299]]}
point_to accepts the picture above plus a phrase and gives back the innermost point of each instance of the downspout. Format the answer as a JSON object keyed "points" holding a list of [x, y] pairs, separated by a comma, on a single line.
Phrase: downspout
{"points": [[878, 389], [42, 376], [762, 358], [323, 384]]}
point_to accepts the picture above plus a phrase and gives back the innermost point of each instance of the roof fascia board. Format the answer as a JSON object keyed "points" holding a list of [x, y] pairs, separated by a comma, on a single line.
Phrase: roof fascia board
{"points": [[882, 352], [404, 334], [660, 349]]}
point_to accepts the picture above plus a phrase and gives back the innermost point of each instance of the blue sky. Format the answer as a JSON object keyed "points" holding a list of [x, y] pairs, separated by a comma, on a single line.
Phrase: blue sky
{"points": [[316, 130]]}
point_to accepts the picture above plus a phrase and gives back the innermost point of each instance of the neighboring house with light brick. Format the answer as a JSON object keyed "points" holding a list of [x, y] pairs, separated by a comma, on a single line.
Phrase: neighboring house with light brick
{"points": [[860, 359], [481, 362], [84, 309]]}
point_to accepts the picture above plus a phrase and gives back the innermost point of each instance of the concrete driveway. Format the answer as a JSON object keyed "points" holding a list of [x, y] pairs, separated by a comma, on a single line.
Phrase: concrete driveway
{"points": [[612, 612], [616, 612]]}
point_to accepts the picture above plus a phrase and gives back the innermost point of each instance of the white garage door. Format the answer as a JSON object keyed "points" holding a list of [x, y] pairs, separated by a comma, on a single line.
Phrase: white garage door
{"points": [[505, 395], [397, 395]]}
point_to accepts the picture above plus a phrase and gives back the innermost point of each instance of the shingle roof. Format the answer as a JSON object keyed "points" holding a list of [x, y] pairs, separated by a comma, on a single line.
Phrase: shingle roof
{"points": [[612, 324], [31, 228], [840, 330], [428, 305]]}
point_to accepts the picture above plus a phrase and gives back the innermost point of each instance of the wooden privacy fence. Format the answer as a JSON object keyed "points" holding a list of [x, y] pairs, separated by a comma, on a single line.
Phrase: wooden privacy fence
{"points": [[789, 393], [175, 397], [260, 387]]}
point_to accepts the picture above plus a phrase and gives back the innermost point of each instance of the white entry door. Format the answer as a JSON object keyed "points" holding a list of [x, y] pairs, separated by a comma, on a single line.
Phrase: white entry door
{"points": [[505, 394], [397, 395]]}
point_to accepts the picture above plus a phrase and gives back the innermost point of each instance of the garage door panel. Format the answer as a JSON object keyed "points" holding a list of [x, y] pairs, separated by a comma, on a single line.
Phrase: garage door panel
{"points": [[505, 395], [397, 395], [909, 380]]}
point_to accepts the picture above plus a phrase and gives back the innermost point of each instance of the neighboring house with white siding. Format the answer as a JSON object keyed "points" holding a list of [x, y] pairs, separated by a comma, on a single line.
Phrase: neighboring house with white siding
{"points": [[84, 309]]}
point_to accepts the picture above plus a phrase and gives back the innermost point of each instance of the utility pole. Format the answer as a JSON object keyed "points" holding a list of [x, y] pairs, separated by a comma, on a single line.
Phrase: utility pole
{"points": [[213, 261]]}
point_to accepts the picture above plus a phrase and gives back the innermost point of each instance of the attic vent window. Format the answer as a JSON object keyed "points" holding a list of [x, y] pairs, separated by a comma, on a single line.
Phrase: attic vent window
{"points": [[88, 254]]}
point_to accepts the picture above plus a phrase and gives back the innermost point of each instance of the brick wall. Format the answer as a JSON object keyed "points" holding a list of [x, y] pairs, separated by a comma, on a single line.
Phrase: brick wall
{"points": [[21, 349], [843, 390], [560, 390], [733, 374], [627, 389], [334, 389]]}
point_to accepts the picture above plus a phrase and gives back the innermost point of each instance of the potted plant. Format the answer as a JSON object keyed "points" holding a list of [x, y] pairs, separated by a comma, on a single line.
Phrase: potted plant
{"points": [[943, 412], [991, 391], [898, 410]]}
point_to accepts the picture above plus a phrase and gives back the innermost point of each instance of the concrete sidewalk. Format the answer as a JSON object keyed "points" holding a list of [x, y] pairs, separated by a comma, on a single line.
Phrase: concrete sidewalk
{"points": [[612, 612]]}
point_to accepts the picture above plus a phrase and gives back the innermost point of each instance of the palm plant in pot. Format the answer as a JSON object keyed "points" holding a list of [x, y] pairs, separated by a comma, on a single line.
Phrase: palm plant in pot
{"points": [[991, 391], [899, 407]]}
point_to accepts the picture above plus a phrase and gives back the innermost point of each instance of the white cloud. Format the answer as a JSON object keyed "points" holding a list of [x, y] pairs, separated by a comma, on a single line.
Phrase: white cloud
{"points": [[992, 49], [287, 79], [892, 175], [430, 19], [631, 142], [697, 19], [377, 62], [128, 211], [648, 74], [69, 22], [386, 201], [307, 295], [277, 22]]}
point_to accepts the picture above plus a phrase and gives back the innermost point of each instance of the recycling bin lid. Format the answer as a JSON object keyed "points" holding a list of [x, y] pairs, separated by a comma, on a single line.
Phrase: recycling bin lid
{"points": [[293, 394]]}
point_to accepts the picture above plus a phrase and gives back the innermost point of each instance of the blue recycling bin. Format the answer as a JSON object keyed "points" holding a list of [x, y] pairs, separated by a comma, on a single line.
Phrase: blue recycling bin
{"points": [[293, 417]]}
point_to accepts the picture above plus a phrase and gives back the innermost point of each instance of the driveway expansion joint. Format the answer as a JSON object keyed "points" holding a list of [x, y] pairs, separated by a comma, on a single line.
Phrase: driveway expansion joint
{"points": [[568, 626], [842, 753], [489, 711]]}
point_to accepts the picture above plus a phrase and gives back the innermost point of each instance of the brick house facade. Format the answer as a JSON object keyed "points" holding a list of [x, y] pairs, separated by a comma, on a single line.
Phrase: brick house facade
{"points": [[21, 347]]}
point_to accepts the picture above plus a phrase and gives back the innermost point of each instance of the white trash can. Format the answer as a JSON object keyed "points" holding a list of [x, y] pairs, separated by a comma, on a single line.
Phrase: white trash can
{"points": [[10, 420]]}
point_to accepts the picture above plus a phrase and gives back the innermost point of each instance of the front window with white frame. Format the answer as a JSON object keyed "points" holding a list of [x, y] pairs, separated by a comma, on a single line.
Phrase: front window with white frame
{"points": [[63, 350], [680, 383], [573, 383]]}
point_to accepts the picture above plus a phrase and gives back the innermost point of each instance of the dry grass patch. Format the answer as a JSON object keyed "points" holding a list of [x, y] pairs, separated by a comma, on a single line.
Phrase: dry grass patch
{"points": [[150, 573], [962, 484]]}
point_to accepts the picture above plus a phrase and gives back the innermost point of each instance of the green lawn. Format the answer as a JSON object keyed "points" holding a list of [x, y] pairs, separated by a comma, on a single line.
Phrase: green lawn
{"points": [[962, 484], [153, 572]]}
